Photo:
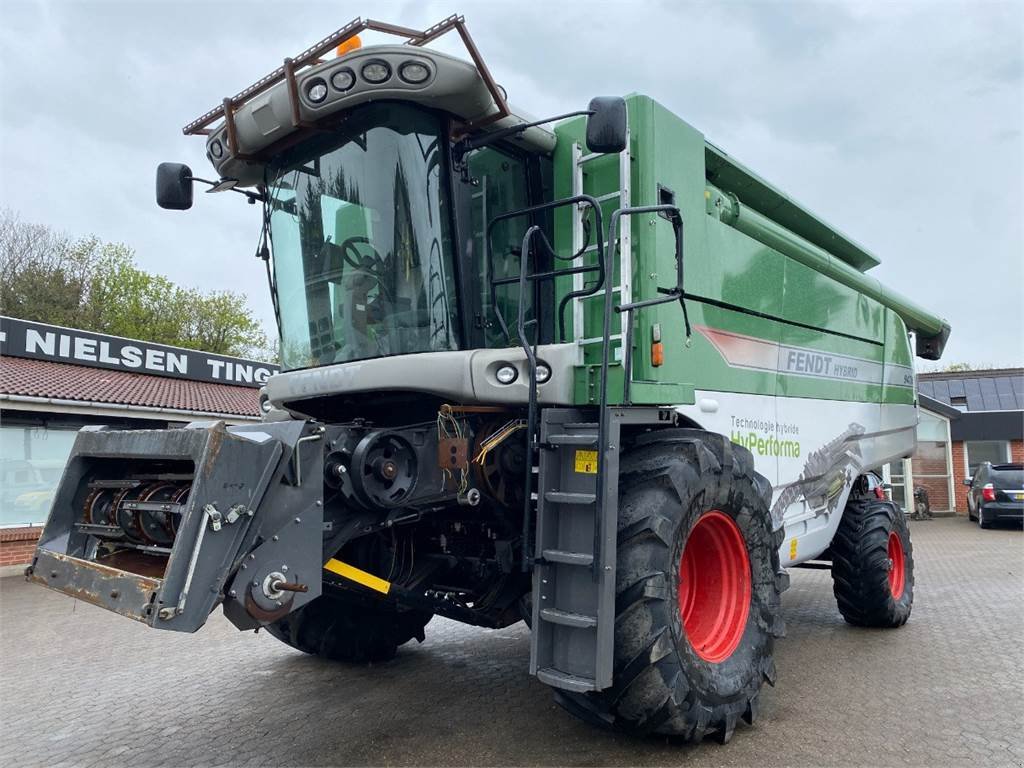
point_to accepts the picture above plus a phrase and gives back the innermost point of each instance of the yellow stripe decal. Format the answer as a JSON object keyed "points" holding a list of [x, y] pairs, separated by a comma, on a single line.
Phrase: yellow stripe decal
{"points": [[352, 573]]}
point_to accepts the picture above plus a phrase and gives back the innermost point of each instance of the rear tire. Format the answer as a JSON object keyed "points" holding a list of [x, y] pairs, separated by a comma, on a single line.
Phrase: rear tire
{"points": [[982, 522], [873, 565], [347, 631], [692, 649]]}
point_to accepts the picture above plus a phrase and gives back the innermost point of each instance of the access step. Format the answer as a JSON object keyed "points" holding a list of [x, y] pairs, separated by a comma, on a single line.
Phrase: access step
{"points": [[568, 618], [568, 558], [566, 681], [564, 497], [572, 440]]}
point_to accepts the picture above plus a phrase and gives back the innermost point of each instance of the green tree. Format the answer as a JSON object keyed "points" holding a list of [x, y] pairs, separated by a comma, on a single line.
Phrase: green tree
{"points": [[48, 277]]}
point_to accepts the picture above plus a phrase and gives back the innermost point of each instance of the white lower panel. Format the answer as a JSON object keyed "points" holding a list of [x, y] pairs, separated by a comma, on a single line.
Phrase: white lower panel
{"points": [[811, 450]]}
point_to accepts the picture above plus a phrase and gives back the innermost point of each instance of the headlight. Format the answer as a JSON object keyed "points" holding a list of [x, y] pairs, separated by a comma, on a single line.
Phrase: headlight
{"points": [[343, 79], [216, 149], [413, 72], [376, 72], [265, 405], [543, 373], [506, 374], [316, 90]]}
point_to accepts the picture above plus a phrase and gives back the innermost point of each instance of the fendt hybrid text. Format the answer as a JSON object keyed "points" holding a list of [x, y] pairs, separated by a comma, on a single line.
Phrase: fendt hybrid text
{"points": [[589, 372]]}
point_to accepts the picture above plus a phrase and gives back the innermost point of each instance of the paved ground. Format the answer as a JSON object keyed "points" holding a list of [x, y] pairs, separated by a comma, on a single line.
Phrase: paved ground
{"points": [[83, 687]]}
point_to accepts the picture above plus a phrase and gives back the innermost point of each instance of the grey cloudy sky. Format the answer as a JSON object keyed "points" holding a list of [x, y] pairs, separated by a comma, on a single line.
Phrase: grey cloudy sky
{"points": [[900, 123]]}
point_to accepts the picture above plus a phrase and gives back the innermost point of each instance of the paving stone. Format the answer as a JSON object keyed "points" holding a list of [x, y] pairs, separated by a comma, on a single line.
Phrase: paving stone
{"points": [[80, 686]]}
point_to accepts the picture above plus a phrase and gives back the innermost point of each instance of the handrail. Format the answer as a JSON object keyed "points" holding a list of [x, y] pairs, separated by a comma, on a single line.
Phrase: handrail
{"points": [[522, 281], [671, 294], [531, 408], [677, 292], [605, 264], [551, 274]]}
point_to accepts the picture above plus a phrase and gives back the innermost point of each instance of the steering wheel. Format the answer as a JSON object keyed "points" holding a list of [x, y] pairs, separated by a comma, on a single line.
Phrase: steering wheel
{"points": [[358, 260]]}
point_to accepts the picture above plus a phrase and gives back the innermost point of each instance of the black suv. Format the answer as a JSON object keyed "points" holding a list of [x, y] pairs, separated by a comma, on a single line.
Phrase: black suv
{"points": [[996, 494]]}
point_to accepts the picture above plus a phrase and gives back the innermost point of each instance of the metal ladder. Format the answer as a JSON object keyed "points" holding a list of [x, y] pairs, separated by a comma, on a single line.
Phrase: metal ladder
{"points": [[624, 284], [573, 629]]}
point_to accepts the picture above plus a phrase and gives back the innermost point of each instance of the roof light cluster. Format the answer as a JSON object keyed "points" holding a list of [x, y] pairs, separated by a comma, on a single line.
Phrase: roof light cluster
{"points": [[374, 72], [344, 76]]}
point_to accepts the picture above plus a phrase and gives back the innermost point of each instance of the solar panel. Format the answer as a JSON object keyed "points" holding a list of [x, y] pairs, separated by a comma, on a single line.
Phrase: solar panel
{"points": [[973, 390], [1004, 389], [1018, 389], [988, 393]]}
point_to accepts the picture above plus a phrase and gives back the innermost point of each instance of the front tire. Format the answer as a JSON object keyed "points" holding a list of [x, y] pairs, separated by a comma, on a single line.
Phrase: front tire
{"points": [[343, 630], [698, 590], [873, 565]]}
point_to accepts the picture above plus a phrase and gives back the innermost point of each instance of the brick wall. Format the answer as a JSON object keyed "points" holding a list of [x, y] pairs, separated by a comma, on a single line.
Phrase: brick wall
{"points": [[938, 492], [959, 473], [18, 544], [930, 459], [1017, 451]]}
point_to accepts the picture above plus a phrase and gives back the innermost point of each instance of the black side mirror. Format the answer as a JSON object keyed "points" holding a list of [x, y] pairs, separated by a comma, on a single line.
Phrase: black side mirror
{"points": [[606, 125], [174, 186]]}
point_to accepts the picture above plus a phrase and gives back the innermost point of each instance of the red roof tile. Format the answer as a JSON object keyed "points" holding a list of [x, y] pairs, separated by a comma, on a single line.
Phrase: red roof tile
{"points": [[63, 381]]}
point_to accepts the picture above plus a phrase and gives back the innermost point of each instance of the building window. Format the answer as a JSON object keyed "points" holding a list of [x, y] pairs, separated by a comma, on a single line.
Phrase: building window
{"points": [[980, 451], [930, 464], [960, 403], [32, 460], [894, 473]]}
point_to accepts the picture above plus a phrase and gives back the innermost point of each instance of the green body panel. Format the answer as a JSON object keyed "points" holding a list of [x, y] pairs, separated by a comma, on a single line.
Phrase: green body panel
{"points": [[898, 353], [803, 300]]}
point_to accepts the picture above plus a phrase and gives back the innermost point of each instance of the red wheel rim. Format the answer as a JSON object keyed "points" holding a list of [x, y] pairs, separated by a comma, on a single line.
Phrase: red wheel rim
{"points": [[897, 569], [714, 586]]}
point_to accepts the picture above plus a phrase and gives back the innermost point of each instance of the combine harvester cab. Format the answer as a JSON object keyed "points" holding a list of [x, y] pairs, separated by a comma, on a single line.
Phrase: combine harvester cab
{"points": [[162, 525]]}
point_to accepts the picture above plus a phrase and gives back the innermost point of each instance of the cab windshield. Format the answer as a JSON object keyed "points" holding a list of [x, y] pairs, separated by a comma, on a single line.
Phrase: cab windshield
{"points": [[360, 234]]}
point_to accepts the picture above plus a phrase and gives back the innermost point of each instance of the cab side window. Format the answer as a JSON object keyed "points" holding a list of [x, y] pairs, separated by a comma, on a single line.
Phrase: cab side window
{"points": [[500, 185]]}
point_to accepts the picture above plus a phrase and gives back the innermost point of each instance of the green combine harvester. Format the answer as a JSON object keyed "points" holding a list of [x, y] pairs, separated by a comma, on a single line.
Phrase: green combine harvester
{"points": [[589, 372]]}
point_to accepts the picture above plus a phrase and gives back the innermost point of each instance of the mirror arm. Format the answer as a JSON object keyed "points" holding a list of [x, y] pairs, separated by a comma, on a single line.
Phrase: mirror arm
{"points": [[253, 197], [466, 145]]}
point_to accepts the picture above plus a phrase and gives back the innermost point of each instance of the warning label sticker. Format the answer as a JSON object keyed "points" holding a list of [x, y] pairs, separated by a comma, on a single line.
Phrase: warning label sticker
{"points": [[586, 462]]}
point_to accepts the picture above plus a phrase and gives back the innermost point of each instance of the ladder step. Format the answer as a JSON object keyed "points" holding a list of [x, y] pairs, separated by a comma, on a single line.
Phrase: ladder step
{"points": [[568, 558], [593, 156], [595, 339], [561, 497], [581, 425], [567, 618], [566, 681], [572, 439]]}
